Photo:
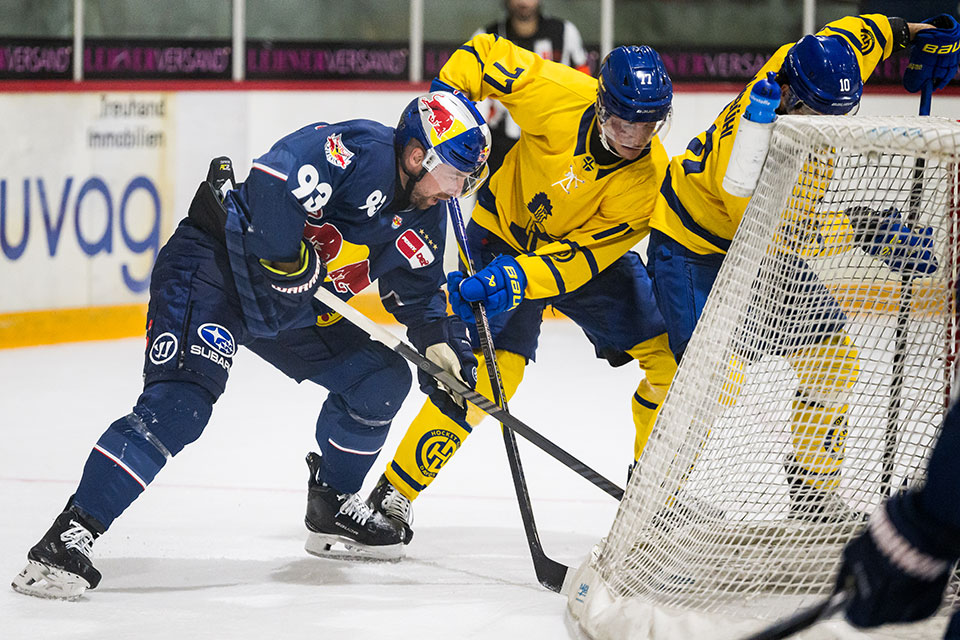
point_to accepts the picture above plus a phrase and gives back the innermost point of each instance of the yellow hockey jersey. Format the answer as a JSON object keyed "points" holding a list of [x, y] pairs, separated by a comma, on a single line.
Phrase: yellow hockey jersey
{"points": [[693, 208], [566, 204]]}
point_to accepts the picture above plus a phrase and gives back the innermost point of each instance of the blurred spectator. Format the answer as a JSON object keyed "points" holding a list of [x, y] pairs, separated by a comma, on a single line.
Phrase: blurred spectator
{"points": [[551, 39], [911, 10]]}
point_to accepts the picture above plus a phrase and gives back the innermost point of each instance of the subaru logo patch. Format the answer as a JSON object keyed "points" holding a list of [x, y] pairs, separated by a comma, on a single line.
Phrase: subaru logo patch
{"points": [[163, 348], [218, 339]]}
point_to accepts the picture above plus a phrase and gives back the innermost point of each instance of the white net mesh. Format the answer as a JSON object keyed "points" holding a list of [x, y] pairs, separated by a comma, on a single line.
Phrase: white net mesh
{"points": [[813, 385]]}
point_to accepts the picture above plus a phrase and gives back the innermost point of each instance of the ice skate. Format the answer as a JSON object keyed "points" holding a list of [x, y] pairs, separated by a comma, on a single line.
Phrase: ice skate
{"points": [[344, 526], [387, 500], [60, 565], [811, 505], [686, 511]]}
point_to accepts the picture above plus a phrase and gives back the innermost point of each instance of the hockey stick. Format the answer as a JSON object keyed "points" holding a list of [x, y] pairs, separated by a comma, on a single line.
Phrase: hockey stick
{"points": [[550, 573], [804, 619], [410, 354], [892, 434]]}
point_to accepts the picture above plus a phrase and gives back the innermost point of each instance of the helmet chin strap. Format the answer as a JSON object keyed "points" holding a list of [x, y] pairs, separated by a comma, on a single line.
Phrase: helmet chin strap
{"points": [[412, 180]]}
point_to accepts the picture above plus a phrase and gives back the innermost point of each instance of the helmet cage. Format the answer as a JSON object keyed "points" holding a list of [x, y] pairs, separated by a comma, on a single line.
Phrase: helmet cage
{"points": [[633, 135], [453, 182]]}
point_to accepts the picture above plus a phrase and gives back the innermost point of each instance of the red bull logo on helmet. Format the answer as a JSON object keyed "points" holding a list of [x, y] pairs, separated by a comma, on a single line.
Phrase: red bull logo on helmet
{"points": [[440, 120]]}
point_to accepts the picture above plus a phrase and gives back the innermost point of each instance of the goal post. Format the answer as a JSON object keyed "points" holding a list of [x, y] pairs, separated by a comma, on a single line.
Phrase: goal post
{"points": [[818, 374]]}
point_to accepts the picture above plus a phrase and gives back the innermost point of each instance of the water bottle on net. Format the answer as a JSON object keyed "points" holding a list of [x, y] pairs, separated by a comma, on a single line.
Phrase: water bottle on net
{"points": [[753, 138]]}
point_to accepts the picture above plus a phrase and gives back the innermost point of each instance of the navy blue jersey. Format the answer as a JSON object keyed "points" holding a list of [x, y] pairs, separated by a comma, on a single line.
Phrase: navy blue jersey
{"points": [[334, 186]]}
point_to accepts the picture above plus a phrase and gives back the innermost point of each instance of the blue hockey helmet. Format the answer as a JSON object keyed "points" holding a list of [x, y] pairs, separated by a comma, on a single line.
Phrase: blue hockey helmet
{"points": [[823, 74], [454, 136], [634, 85]]}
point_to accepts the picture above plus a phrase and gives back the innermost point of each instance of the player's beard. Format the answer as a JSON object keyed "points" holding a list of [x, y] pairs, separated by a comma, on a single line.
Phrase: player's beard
{"points": [[422, 201]]}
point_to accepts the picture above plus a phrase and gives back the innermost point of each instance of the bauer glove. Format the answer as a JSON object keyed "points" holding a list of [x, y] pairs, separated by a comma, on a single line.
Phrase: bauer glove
{"points": [[896, 571], [498, 287], [934, 57], [446, 343], [884, 234]]}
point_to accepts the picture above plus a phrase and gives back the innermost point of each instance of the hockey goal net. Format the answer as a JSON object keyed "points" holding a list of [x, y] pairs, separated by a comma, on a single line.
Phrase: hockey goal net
{"points": [[813, 386]]}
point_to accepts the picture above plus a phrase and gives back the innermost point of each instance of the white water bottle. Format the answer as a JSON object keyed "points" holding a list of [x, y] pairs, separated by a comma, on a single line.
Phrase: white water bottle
{"points": [[753, 138]]}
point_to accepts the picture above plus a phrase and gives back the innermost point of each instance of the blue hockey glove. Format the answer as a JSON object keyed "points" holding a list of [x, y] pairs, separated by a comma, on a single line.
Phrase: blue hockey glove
{"points": [[934, 57], [884, 234], [447, 343], [897, 573], [498, 287]]}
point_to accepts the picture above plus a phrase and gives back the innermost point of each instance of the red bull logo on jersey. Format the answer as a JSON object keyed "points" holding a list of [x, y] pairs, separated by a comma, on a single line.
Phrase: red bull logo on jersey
{"points": [[414, 249], [337, 154]]}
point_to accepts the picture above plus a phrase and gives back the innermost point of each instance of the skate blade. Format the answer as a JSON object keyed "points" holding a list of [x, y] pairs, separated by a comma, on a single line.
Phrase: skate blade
{"points": [[325, 545], [41, 581]]}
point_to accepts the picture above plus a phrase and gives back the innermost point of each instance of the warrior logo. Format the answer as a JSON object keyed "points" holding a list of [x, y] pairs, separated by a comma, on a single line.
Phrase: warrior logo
{"points": [[337, 154], [163, 348], [218, 339], [434, 449], [439, 118]]}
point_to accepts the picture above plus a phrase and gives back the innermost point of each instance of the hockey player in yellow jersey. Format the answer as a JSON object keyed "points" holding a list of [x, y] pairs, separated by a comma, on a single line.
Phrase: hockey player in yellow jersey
{"points": [[695, 220], [555, 226]]}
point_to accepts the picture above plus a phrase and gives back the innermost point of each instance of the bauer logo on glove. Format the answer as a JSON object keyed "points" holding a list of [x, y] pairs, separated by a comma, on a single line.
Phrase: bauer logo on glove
{"points": [[498, 287], [935, 54]]}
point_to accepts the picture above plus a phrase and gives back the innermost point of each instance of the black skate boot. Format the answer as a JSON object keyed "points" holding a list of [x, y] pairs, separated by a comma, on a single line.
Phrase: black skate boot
{"points": [[60, 566], [811, 505], [337, 519], [387, 500]]}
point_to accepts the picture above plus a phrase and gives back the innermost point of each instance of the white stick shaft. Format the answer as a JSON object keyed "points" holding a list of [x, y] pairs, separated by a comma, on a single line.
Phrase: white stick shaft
{"points": [[377, 332]]}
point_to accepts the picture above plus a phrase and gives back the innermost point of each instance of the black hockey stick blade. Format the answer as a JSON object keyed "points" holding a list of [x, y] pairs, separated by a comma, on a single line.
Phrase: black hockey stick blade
{"points": [[805, 618], [385, 337], [550, 573]]}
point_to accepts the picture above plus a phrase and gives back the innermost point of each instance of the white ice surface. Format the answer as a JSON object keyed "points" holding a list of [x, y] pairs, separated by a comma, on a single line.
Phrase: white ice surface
{"points": [[214, 548]]}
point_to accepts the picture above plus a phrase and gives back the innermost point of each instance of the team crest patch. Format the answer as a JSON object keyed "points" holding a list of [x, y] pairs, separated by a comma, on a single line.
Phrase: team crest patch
{"points": [[337, 152], [218, 339], [414, 249], [867, 40], [434, 449], [327, 319], [397, 222], [540, 206], [164, 347]]}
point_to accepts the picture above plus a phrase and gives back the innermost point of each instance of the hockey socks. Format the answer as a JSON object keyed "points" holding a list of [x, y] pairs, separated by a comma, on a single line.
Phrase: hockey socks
{"points": [[433, 438]]}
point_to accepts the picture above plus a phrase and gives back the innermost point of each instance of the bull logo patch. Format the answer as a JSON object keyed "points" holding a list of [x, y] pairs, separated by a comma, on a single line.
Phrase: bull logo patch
{"points": [[337, 153]]}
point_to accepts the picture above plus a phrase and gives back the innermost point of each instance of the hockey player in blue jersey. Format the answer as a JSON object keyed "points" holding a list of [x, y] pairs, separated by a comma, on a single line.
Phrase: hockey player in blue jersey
{"points": [[898, 568], [333, 205]]}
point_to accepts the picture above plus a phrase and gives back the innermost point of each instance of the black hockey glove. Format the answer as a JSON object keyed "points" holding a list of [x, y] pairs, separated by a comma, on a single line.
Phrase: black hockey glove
{"points": [[293, 290], [905, 249], [897, 573], [447, 343], [220, 175]]}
